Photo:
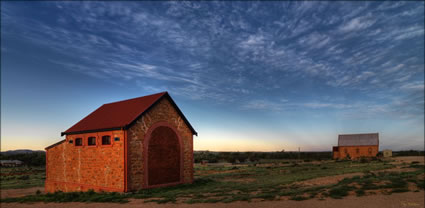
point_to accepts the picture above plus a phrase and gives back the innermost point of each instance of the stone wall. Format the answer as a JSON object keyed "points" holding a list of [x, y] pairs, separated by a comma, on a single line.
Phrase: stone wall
{"points": [[356, 152], [80, 168], [161, 112]]}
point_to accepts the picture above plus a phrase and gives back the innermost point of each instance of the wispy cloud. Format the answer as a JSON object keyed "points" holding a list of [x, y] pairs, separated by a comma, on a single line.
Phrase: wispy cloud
{"points": [[263, 105], [326, 105], [190, 46], [418, 85], [358, 23]]}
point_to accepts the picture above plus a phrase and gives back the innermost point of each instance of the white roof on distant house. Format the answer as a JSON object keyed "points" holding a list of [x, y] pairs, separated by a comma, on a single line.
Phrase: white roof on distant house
{"points": [[358, 139], [11, 161]]}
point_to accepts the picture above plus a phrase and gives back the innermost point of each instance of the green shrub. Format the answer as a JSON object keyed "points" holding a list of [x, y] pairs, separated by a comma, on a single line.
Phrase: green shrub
{"points": [[298, 198], [24, 177], [364, 160], [399, 190], [60, 197], [360, 192], [339, 192], [420, 184]]}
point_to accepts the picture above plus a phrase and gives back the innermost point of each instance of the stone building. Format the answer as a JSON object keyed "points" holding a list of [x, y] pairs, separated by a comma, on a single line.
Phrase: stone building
{"points": [[354, 146], [124, 146]]}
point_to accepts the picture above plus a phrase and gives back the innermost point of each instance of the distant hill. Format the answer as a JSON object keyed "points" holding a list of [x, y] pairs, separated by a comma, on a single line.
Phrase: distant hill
{"points": [[28, 157], [20, 151]]}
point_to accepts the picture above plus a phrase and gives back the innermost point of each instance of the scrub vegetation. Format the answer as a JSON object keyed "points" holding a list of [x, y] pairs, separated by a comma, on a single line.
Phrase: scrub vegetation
{"points": [[21, 177], [275, 180]]}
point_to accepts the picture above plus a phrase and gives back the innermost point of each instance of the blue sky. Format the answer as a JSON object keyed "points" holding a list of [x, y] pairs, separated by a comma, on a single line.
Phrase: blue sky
{"points": [[249, 76]]}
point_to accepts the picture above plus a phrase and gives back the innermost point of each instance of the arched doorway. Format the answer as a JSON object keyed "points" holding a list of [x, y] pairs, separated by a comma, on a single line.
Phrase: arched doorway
{"points": [[164, 156]]}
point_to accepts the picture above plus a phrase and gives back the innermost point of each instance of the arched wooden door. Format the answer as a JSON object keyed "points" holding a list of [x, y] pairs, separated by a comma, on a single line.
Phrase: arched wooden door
{"points": [[164, 157]]}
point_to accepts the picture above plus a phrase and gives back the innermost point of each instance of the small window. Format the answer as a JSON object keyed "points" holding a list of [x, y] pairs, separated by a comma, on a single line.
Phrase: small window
{"points": [[91, 141], [78, 142], [370, 150], [106, 140], [357, 151], [346, 151]]}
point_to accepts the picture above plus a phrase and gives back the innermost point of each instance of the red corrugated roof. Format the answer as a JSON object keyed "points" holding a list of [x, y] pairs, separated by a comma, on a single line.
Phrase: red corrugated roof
{"points": [[119, 115], [358, 139]]}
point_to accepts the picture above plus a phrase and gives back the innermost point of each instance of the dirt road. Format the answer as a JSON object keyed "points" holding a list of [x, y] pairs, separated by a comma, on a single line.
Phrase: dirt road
{"points": [[402, 200]]}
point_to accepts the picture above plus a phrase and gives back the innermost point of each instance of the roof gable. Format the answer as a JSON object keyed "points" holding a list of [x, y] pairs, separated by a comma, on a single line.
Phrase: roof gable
{"points": [[120, 115], [358, 139]]}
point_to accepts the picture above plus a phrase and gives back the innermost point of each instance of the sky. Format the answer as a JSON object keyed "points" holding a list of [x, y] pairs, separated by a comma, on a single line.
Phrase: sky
{"points": [[249, 76]]}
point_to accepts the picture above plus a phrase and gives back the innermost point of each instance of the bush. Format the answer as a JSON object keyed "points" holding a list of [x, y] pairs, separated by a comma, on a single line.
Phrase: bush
{"points": [[60, 197], [298, 198], [24, 177], [364, 160], [399, 190], [421, 184], [339, 192], [409, 153], [360, 192], [256, 156]]}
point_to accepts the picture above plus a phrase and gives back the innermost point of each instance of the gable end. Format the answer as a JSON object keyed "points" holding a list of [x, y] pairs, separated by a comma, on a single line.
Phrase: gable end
{"points": [[168, 97]]}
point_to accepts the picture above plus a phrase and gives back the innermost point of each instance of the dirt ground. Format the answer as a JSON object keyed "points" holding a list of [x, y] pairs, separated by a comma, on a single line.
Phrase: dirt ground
{"points": [[408, 199], [326, 180], [20, 192], [408, 159], [402, 200]]}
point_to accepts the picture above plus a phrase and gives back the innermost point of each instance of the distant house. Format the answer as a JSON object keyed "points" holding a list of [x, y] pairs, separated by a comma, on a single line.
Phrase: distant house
{"points": [[10, 163], [387, 153], [354, 146], [124, 146]]}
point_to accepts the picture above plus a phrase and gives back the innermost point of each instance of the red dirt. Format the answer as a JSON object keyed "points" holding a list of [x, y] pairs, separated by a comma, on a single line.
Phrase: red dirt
{"points": [[326, 180], [410, 199], [408, 159], [240, 180], [210, 172], [20, 192]]}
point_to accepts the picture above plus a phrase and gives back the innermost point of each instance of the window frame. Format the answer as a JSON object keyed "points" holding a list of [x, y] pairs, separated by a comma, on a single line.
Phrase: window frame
{"points": [[101, 135], [86, 139], [75, 141]]}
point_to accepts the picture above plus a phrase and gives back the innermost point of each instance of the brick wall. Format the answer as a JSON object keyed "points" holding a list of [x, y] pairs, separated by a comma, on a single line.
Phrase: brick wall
{"points": [[356, 152], [161, 112], [74, 168]]}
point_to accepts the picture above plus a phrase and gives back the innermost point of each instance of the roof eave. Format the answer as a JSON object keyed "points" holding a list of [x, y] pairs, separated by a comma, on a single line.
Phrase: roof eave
{"points": [[55, 144], [92, 131]]}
